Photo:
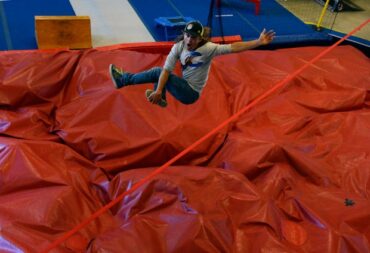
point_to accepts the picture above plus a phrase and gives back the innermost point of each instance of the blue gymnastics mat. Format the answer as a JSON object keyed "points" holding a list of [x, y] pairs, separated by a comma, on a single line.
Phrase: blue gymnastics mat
{"points": [[17, 25], [238, 18]]}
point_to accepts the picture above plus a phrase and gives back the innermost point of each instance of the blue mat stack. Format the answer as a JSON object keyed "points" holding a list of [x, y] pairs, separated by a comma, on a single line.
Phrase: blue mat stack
{"points": [[17, 25]]}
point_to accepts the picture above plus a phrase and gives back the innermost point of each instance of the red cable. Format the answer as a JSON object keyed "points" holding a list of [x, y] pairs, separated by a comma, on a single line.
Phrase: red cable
{"points": [[146, 179]]}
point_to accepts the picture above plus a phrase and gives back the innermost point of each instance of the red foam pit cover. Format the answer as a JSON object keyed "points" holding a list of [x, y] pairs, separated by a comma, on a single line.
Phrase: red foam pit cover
{"points": [[291, 174]]}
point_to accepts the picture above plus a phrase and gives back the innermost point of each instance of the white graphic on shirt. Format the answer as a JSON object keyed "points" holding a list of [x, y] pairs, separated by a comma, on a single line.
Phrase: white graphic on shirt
{"points": [[192, 59]]}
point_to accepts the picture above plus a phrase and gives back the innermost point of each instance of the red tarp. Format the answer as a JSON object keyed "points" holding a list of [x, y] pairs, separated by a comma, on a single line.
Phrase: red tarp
{"points": [[290, 175]]}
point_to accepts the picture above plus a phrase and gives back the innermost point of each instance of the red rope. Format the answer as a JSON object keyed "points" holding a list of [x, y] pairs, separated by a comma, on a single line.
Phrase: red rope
{"points": [[146, 179]]}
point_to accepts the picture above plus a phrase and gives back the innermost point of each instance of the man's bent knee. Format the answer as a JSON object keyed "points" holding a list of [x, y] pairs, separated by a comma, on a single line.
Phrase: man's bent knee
{"points": [[157, 70]]}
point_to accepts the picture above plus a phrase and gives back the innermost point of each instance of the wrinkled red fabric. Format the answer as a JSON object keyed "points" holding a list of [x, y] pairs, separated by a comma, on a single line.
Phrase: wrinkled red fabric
{"points": [[45, 190], [290, 175]]}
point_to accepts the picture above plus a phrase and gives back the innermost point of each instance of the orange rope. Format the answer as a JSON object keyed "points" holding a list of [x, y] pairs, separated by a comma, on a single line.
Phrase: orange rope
{"points": [[195, 144]]}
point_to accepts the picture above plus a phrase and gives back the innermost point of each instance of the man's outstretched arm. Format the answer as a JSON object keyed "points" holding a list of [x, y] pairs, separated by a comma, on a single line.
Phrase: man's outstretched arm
{"points": [[264, 39]]}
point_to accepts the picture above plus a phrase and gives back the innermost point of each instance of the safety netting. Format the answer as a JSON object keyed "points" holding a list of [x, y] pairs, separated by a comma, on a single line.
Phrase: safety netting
{"points": [[292, 174]]}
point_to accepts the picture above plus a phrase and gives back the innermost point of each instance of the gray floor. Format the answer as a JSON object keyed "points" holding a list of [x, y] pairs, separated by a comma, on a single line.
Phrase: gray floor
{"points": [[112, 22], [115, 21]]}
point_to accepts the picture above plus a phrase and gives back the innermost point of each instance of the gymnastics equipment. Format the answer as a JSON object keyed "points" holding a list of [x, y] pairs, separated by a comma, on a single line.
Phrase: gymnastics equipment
{"points": [[72, 32]]}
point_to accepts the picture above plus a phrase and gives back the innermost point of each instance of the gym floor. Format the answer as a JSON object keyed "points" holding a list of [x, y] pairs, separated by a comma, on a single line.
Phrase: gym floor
{"points": [[112, 25], [119, 22]]}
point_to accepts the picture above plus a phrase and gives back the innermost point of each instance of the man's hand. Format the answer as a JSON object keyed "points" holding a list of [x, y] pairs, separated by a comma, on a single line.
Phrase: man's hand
{"points": [[266, 37], [155, 97]]}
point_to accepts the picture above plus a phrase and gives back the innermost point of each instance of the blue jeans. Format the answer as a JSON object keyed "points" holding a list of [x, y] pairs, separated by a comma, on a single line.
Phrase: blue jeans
{"points": [[177, 86]]}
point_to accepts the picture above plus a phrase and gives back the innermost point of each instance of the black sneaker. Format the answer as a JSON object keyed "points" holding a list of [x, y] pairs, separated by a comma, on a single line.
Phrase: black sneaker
{"points": [[161, 103], [116, 75]]}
